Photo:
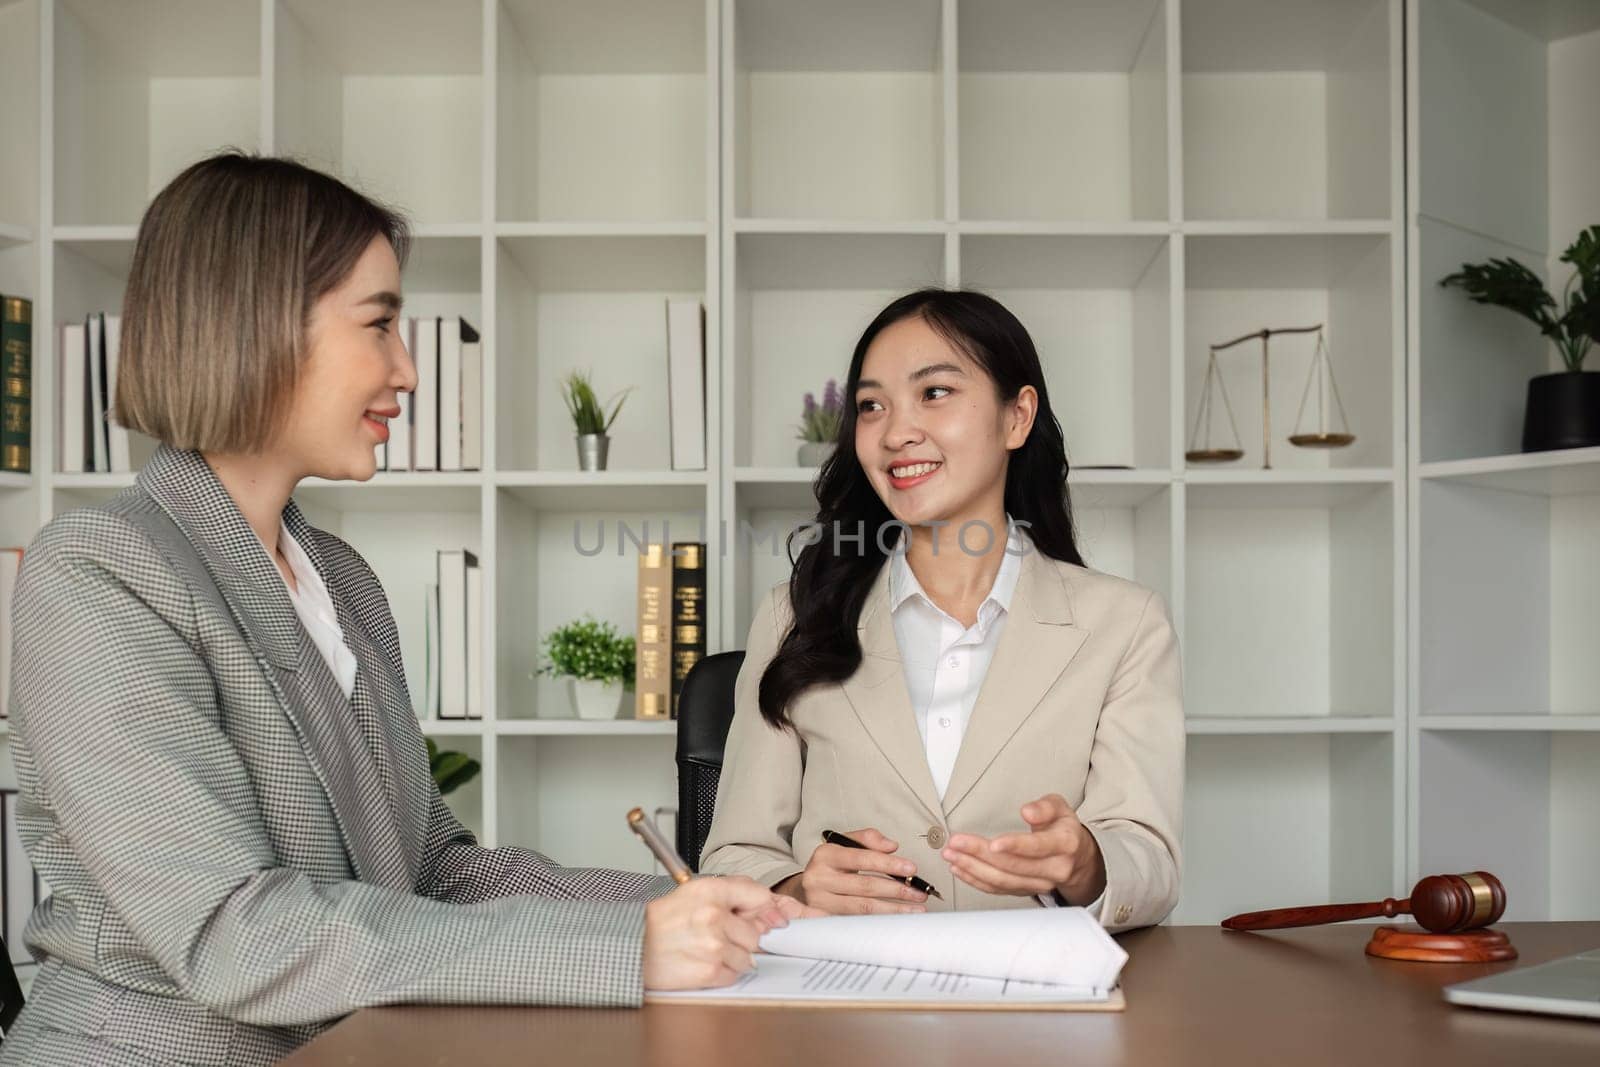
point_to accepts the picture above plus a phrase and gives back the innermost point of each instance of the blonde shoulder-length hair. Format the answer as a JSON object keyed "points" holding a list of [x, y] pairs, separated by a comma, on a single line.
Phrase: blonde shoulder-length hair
{"points": [[230, 259]]}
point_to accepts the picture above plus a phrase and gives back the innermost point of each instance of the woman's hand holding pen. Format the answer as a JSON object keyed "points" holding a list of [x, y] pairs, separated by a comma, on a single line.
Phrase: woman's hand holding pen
{"points": [[845, 881], [1058, 853], [702, 934]]}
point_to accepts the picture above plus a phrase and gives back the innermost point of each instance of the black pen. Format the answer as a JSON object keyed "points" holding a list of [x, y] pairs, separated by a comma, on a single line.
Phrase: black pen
{"points": [[911, 880]]}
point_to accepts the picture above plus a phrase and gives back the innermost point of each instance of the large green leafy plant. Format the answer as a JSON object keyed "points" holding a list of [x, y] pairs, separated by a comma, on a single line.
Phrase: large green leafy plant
{"points": [[451, 770], [1574, 324], [591, 650]]}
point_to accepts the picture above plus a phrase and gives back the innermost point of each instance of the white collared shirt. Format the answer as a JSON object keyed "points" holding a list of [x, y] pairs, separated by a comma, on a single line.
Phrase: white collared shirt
{"points": [[315, 608], [944, 661]]}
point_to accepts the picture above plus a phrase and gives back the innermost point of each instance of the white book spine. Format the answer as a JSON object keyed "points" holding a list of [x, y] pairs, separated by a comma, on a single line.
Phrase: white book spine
{"points": [[472, 405], [18, 884], [474, 638], [400, 437], [116, 433], [10, 564], [450, 394], [686, 384], [430, 659], [74, 394], [399, 454], [425, 405], [452, 634], [96, 446]]}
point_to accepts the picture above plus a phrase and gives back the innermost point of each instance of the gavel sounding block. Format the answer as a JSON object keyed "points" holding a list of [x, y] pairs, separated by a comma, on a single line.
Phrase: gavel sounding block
{"points": [[1418, 945]]}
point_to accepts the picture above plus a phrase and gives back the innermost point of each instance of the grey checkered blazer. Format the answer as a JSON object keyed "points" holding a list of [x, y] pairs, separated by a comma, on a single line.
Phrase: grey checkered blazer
{"points": [[238, 854]]}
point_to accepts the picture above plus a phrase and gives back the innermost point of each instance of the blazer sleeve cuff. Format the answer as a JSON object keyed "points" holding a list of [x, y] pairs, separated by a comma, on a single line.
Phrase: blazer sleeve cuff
{"points": [[773, 873], [1054, 899], [763, 870], [1135, 895]]}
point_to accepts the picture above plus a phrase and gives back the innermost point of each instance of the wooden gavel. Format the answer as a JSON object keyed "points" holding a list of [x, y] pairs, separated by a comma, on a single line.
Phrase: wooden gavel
{"points": [[1441, 903]]}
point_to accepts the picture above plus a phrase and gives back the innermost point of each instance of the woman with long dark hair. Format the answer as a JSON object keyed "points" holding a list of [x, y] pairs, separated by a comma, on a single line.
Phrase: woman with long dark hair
{"points": [[942, 678]]}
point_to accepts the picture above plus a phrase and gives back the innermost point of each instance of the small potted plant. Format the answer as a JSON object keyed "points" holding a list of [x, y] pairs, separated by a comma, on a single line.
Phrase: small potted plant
{"points": [[597, 659], [589, 420], [1563, 409], [819, 425], [451, 770]]}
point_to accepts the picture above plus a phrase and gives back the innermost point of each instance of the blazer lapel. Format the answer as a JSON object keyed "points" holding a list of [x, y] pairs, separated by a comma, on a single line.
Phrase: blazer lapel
{"points": [[1036, 644], [187, 489], [400, 761], [877, 691]]}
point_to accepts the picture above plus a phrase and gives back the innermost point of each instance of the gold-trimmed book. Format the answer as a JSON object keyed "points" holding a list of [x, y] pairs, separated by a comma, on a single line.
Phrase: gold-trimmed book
{"points": [[652, 680], [688, 612], [16, 384]]}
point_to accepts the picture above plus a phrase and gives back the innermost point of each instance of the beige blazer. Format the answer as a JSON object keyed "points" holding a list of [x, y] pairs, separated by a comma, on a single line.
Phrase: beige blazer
{"points": [[1083, 698]]}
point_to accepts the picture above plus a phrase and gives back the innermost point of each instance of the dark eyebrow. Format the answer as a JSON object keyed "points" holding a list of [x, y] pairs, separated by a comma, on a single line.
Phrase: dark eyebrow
{"points": [[385, 299], [916, 375]]}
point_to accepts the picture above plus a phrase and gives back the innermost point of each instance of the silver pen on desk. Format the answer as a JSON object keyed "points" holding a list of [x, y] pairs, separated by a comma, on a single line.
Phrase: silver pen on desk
{"points": [[668, 856]]}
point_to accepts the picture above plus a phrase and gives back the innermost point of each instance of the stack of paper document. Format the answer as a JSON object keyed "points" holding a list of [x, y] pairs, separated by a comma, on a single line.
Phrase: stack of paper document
{"points": [[1048, 958]]}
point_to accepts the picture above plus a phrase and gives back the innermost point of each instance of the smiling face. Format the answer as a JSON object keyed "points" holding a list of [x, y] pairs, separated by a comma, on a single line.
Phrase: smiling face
{"points": [[355, 368], [932, 432]]}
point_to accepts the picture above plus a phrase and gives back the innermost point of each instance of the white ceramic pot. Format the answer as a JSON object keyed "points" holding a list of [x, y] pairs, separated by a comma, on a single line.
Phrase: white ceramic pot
{"points": [[596, 700], [813, 453]]}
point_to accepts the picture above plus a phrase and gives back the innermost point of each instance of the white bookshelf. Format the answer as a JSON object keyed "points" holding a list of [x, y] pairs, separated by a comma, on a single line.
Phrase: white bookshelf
{"points": [[1505, 718], [1088, 164], [1136, 179]]}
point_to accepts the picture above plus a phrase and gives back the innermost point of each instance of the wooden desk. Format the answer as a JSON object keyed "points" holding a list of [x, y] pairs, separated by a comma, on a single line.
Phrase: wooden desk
{"points": [[1196, 995]]}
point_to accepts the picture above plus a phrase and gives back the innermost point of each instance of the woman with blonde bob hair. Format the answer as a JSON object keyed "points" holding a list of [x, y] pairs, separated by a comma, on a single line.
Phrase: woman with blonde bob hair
{"points": [[221, 777]]}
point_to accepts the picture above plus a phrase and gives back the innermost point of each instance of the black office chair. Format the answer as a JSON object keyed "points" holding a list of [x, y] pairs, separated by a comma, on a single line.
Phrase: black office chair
{"points": [[10, 991], [705, 711]]}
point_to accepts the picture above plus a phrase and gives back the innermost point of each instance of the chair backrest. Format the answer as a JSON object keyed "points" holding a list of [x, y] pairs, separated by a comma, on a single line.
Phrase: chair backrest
{"points": [[705, 711], [10, 991]]}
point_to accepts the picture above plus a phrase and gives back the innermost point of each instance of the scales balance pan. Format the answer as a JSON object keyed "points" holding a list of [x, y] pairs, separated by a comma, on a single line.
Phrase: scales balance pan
{"points": [[1321, 367]]}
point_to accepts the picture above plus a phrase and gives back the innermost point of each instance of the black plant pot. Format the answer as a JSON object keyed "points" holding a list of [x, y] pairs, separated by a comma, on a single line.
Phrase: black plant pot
{"points": [[1563, 411]]}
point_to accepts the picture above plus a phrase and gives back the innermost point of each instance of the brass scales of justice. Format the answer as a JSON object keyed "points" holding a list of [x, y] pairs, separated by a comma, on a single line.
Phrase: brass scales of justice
{"points": [[1321, 373]]}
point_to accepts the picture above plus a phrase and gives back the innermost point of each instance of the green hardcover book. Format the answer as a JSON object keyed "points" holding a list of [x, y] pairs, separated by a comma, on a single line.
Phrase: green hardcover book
{"points": [[16, 384]]}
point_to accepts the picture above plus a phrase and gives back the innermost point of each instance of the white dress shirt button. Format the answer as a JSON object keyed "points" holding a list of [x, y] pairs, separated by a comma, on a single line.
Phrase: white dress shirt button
{"points": [[954, 662], [945, 722]]}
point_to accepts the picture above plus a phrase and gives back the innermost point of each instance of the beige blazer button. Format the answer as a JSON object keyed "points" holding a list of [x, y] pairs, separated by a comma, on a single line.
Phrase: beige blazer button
{"points": [[1123, 913], [935, 836]]}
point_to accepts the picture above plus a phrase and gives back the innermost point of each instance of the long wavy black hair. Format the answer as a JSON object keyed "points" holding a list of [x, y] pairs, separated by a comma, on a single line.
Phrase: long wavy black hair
{"points": [[831, 580]]}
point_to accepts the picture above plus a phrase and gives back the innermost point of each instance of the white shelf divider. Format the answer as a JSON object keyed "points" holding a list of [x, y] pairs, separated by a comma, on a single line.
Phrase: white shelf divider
{"points": [[585, 728], [452, 727], [1311, 724], [1567, 472], [1511, 723]]}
